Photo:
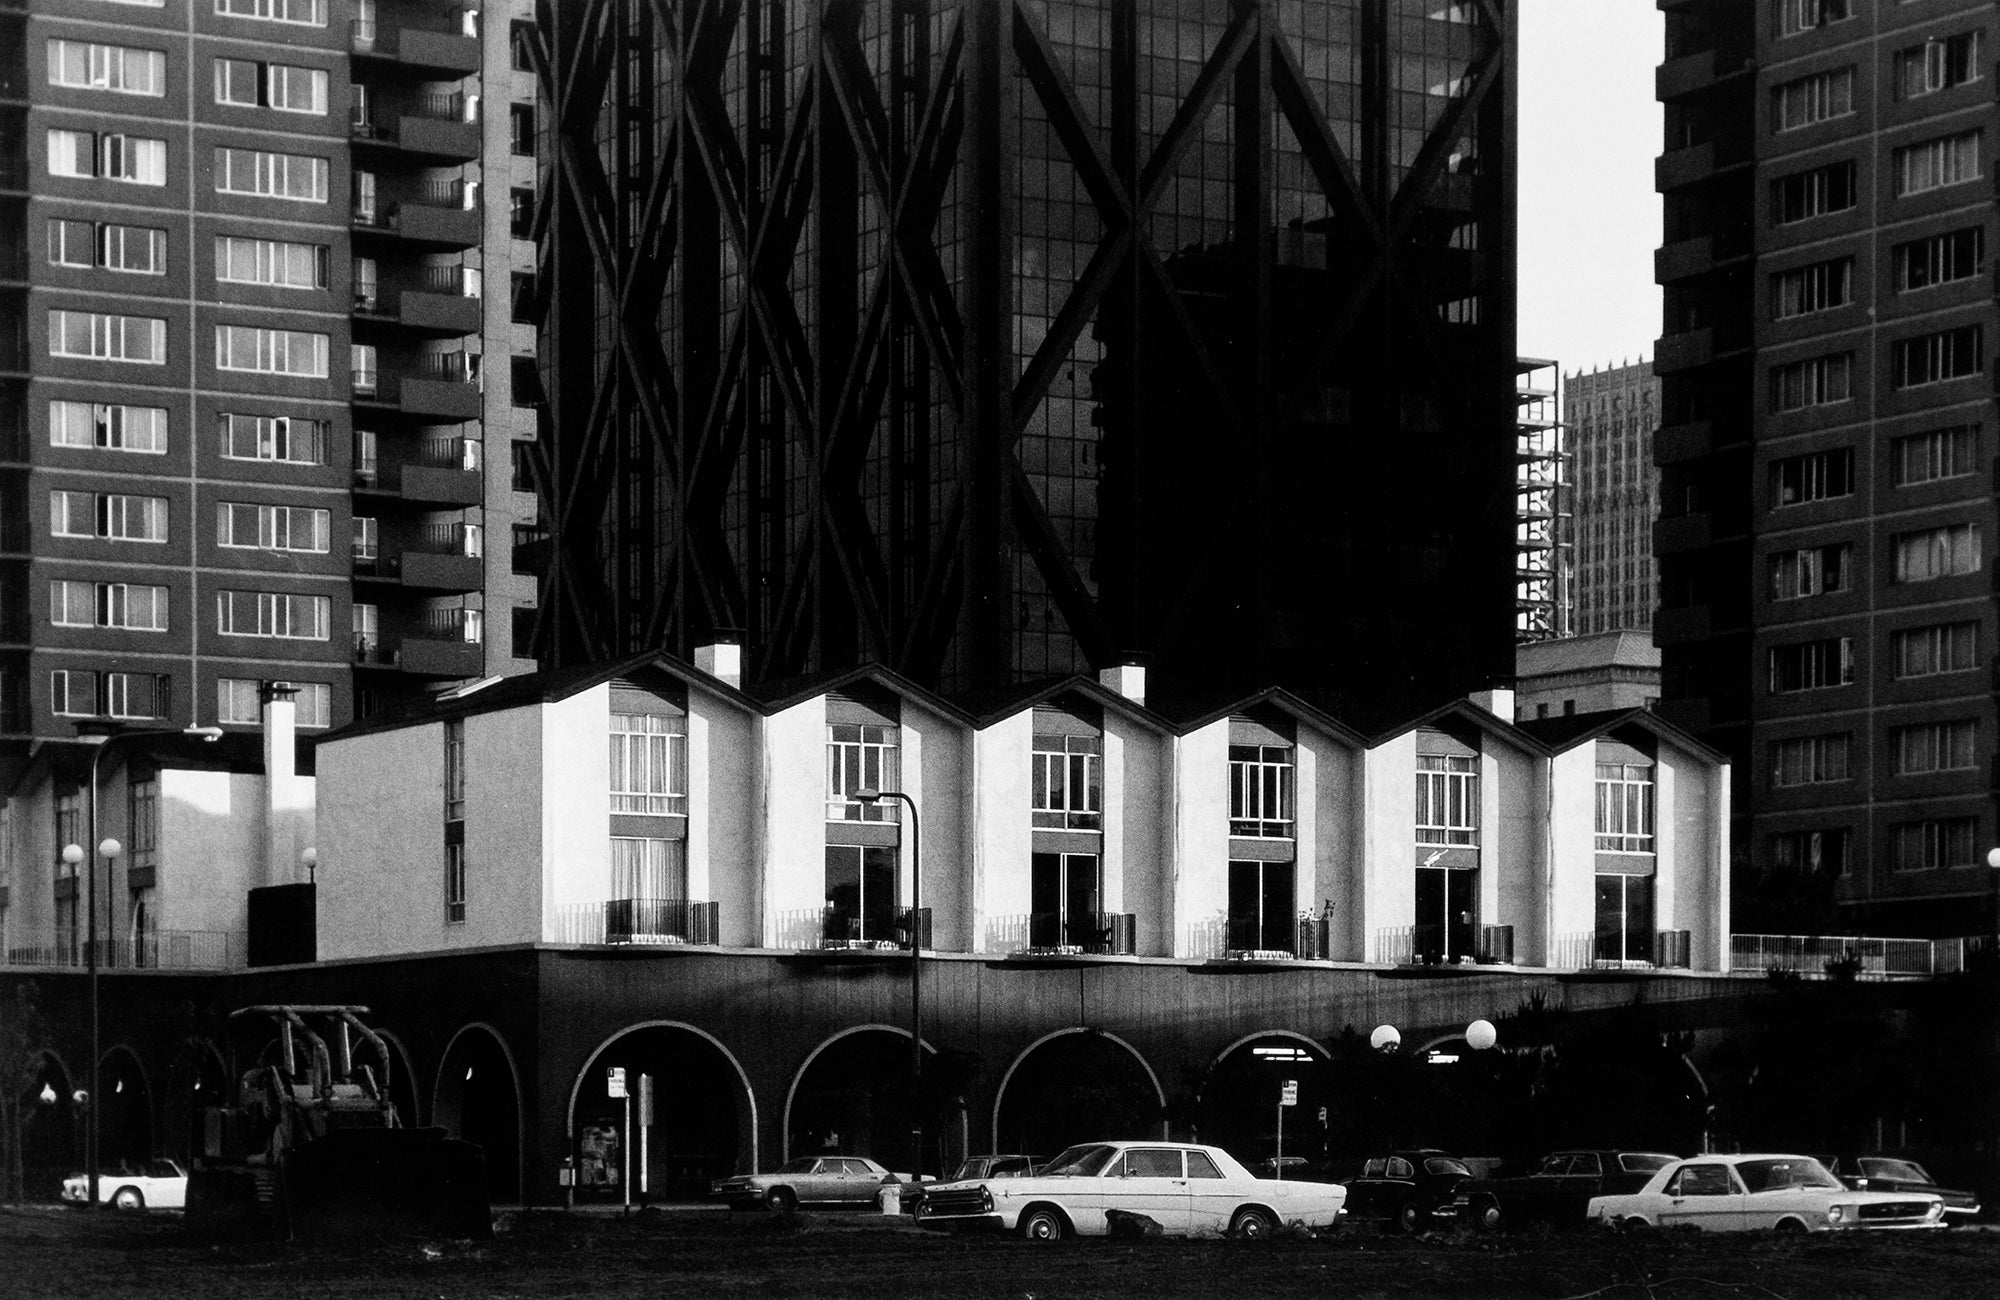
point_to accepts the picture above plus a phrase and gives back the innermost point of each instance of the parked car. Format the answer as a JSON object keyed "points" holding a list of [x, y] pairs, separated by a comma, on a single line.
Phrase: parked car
{"points": [[1894, 1174], [808, 1180], [160, 1183], [1187, 1189], [1560, 1188], [1410, 1190], [1747, 1193], [971, 1169]]}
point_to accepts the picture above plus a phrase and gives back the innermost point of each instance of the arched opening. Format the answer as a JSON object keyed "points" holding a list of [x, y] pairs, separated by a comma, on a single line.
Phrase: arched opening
{"points": [[1238, 1107], [195, 1081], [125, 1112], [402, 1077], [1076, 1085], [700, 1124], [854, 1097], [51, 1131], [478, 1100]]}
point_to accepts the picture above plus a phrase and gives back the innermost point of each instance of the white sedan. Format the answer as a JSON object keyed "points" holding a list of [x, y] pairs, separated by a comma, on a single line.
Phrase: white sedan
{"points": [[1188, 1190], [1748, 1193], [159, 1183]]}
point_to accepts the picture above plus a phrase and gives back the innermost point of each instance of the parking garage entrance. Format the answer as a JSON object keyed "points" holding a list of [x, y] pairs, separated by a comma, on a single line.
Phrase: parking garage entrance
{"points": [[1238, 1107], [685, 1117], [1076, 1086], [854, 1097]]}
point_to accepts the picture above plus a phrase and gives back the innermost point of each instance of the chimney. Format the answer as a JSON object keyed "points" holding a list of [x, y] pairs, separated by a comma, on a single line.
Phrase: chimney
{"points": [[722, 660], [288, 800], [1497, 700], [1129, 680]]}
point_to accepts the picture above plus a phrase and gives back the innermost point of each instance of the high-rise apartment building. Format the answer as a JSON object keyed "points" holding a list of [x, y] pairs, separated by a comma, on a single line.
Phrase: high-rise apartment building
{"points": [[1609, 417], [1826, 440], [994, 340], [258, 300]]}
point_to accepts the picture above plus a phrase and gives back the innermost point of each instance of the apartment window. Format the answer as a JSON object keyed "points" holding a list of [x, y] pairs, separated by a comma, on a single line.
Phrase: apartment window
{"points": [[1938, 259], [1810, 760], [1937, 64], [1811, 571], [136, 250], [454, 879], [274, 262], [521, 129], [1816, 476], [274, 615], [366, 622], [1260, 791], [136, 160], [271, 528], [1936, 454], [361, 369], [1625, 808], [1067, 782], [1812, 665], [367, 541], [454, 770], [1806, 289], [521, 299], [131, 606], [649, 764], [860, 757], [648, 868], [1934, 844], [521, 214], [1815, 98], [108, 515], [1816, 381], [1818, 851], [526, 381], [86, 694], [143, 829], [89, 66], [237, 701], [1935, 358], [286, 438], [100, 336], [861, 891], [1934, 164], [1624, 918], [1263, 906], [256, 350], [1934, 650], [1947, 552], [1933, 747], [246, 83], [1064, 901], [112, 426], [1797, 16], [270, 175], [1447, 799], [1815, 193], [304, 13]]}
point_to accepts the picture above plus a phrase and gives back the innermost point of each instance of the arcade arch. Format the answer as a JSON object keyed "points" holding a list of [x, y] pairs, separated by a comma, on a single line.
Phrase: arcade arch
{"points": [[477, 1098], [1076, 1085], [704, 1115], [852, 1096]]}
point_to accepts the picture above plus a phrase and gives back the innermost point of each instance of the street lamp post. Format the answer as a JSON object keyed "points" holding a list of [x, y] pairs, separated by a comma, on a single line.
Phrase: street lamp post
{"points": [[869, 795], [102, 735]]}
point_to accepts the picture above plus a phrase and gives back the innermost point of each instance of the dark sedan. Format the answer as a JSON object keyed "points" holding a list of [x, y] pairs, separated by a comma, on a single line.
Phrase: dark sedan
{"points": [[1409, 1190], [1894, 1174], [1560, 1187]]}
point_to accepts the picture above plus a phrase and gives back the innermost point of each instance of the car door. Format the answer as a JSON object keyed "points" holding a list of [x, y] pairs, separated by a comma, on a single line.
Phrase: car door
{"points": [[1212, 1196], [1151, 1181], [821, 1182], [165, 1185], [1571, 1193], [1703, 1194]]}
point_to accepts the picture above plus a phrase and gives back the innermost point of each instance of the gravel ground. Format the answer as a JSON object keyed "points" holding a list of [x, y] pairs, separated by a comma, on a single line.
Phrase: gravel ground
{"points": [[53, 1253]]}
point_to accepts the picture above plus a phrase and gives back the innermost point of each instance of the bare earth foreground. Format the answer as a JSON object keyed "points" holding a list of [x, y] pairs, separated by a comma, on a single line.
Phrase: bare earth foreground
{"points": [[51, 1253]]}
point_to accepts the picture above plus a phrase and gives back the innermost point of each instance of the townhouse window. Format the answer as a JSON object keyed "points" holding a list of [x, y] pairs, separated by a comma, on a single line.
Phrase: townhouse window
{"points": [[1934, 747], [278, 263], [860, 757], [1068, 782], [1934, 650], [86, 65], [1815, 98], [1937, 64], [1931, 553], [1934, 844], [1935, 164], [110, 516], [1064, 901], [649, 760], [1812, 665], [1263, 906], [262, 174], [861, 897], [101, 336], [367, 542], [302, 13], [1260, 791], [1447, 799], [1816, 476], [246, 83], [654, 870], [1818, 851], [1625, 794], [143, 827], [1799, 16], [69, 829], [1935, 358], [104, 245], [110, 426], [1816, 192], [237, 701], [1810, 760], [521, 129], [1822, 286], [276, 615], [110, 156], [253, 349], [521, 213], [86, 694], [454, 821], [1624, 918], [136, 607], [250, 526], [1938, 259], [1815, 381], [1935, 455], [287, 438]]}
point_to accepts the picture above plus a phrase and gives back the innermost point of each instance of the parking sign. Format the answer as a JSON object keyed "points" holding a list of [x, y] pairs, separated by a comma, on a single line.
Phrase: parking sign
{"points": [[1288, 1095], [614, 1078]]}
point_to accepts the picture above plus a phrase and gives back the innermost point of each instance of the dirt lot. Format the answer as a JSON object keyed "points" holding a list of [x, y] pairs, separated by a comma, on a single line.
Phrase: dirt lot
{"points": [[51, 1253]]}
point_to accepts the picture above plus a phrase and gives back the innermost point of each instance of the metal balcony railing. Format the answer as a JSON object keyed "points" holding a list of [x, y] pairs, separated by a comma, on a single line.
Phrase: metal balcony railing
{"points": [[449, 539], [163, 950], [466, 625], [453, 280], [439, 106], [449, 453], [442, 194], [661, 920], [1042, 934], [446, 367], [1817, 956]]}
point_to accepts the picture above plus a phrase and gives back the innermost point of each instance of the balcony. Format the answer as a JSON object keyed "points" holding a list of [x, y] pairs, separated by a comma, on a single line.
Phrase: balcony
{"points": [[1681, 533], [438, 127], [444, 214], [446, 643], [1686, 75], [1684, 351], [161, 950], [440, 386], [1051, 934], [837, 930], [1675, 443], [1679, 168], [1684, 626], [441, 45]]}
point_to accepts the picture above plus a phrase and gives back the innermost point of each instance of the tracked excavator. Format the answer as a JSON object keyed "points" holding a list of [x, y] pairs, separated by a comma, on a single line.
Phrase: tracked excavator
{"points": [[311, 1144]]}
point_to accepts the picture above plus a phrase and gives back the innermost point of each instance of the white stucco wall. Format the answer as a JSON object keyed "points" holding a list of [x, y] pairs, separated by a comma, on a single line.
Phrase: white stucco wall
{"points": [[1693, 831], [1201, 868], [211, 849], [1573, 901], [1329, 789], [575, 804], [938, 774], [1139, 831], [1389, 801], [1002, 783], [503, 845], [794, 812], [1513, 854], [381, 842], [726, 843]]}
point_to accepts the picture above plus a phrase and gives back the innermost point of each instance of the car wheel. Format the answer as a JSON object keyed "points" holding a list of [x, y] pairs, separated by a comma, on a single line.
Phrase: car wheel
{"points": [[1634, 1224], [1789, 1228], [782, 1199], [1043, 1223], [1487, 1215], [1410, 1218], [128, 1198], [1252, 1223]]}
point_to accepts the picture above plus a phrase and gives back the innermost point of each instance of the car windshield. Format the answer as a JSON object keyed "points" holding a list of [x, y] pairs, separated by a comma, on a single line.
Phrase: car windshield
{"points": [[1643, 1162], [1443, 1165], [1079, 1161], [1786, 1171], [802, 1165], [1907, 1170]]}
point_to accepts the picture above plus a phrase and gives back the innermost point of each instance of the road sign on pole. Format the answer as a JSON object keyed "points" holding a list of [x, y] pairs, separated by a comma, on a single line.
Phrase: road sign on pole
{"points": [[1288, 1094], [614, 1080]]}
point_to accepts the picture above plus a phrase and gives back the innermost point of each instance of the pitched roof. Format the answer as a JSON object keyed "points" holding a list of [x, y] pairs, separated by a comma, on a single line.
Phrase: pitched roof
{"points": [[1572, 729]]}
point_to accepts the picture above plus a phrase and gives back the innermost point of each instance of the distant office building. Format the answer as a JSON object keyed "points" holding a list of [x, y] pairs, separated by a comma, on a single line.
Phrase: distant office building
{"points": [[1544, 526], [1586, 674], [1609, 417]]}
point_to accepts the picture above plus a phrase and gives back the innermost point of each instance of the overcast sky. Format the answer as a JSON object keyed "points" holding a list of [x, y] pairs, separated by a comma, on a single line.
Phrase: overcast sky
{"points": [[1589, 131]]}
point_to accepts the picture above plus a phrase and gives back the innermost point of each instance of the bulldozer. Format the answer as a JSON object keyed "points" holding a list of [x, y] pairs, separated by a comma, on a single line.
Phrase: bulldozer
{"points": [[312, 1146]]}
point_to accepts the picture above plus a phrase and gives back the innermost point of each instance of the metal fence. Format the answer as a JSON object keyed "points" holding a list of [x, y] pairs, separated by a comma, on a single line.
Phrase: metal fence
{"points": [[1821, 956], [163, 950]]}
